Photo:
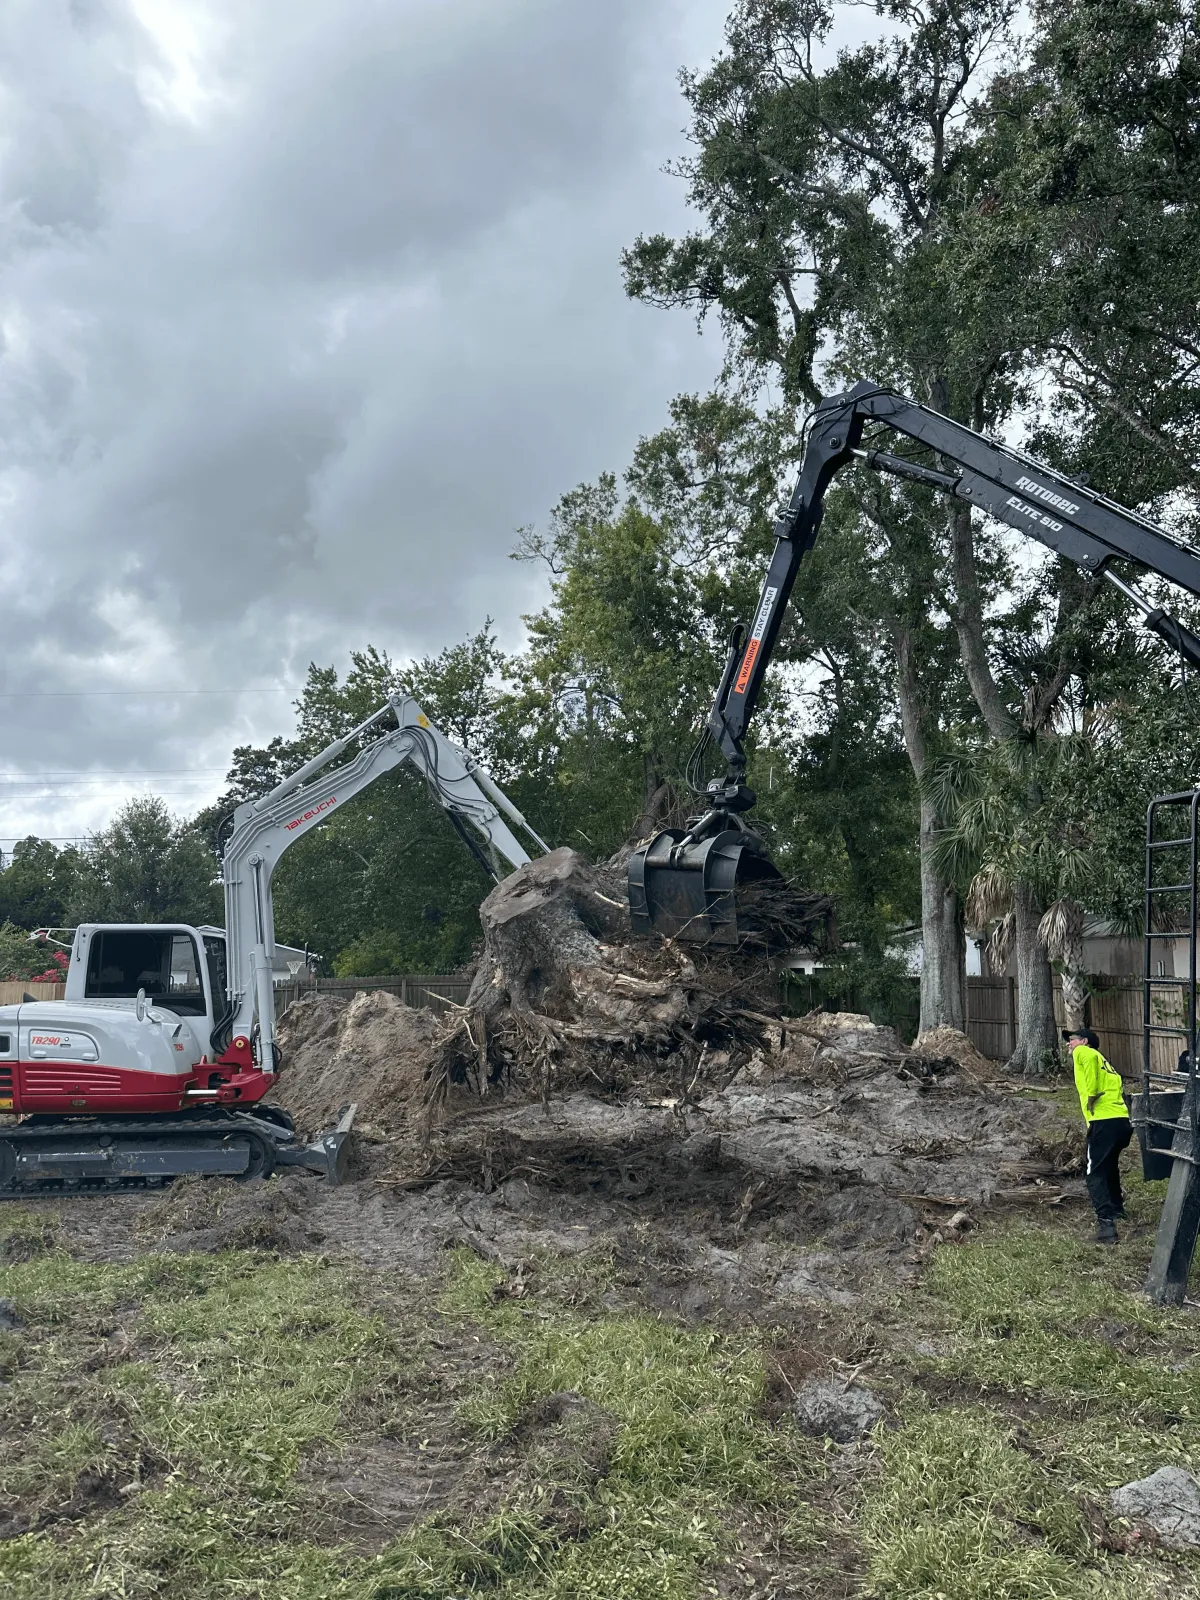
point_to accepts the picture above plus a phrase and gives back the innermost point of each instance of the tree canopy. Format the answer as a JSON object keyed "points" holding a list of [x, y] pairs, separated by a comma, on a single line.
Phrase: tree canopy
{"points": [[990, 207]]}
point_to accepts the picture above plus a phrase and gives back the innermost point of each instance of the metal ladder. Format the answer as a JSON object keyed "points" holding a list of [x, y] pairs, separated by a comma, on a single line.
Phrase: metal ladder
{"points": [[1171, 852]]}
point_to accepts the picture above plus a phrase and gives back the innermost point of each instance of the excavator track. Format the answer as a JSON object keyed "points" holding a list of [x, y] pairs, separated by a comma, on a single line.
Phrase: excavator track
{"points": [[44, 1155]]}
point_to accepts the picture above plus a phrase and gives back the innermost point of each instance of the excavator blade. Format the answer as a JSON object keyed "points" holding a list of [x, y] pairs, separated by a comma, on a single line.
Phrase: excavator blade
{"points": [[692, 893], [328, 1153], [101, 1154]]}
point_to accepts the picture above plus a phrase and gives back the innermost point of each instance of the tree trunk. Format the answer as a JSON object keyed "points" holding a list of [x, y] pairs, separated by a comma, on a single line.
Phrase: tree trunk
{"points": [[1075, 996], [1037, 1052], [656, 809], [565, 996], [944, 967], [1075, 986]]}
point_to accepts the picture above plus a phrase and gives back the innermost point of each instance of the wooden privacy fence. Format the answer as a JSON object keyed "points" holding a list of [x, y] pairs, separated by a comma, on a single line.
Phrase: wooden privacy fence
{"points": [[1114, 1012], [992, 1016], [412, 989], [12, 994]]}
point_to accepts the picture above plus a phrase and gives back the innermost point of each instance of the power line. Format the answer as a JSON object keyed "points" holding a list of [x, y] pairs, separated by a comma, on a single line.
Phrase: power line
{"points": [[108, 783], [87, 694], [44, 838], [100, 794], [106, 772]]}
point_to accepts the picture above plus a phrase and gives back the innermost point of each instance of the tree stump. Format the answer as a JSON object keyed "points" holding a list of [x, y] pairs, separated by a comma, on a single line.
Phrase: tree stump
{"points": [[563, 991]]}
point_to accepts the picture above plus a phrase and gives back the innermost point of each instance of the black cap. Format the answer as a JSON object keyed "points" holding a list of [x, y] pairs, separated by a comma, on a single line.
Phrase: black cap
{"points": [[1082, 1033]]}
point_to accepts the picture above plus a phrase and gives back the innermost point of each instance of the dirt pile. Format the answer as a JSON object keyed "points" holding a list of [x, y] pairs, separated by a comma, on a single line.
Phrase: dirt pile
{"points": [[824, 1044], [949, 1044], [373, 1050]]}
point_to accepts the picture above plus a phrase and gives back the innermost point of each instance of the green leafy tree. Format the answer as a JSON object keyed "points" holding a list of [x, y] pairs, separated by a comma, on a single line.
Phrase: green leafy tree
{"points": [[624, 656], [824, 190], [146, 866], [1090, 154], [37, 887], [1092, 206]]}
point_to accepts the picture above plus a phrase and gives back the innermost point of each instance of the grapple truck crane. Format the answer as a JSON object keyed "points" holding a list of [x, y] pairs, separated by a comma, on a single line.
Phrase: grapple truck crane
{"points": [[159, 1059], [685, 884]]}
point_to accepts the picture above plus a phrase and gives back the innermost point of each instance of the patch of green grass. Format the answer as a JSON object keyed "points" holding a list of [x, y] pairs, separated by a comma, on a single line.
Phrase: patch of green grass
{"points": [[24, 1234], [189, 1388], [1079, 1385], [184, 1390], [962, 1512], [686, 1399], [689, 1443], [1042, 1313]]}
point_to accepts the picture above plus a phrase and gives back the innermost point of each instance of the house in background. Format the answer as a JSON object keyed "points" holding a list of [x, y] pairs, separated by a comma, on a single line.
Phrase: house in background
{"points": [[1108, 952]]}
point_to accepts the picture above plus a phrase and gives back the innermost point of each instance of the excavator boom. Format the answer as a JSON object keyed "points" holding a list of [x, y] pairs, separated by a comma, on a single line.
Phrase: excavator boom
{"points": [[264, 829]]}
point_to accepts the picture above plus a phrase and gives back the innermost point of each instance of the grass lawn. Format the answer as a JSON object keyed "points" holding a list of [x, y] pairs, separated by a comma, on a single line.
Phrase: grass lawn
{"points": [[173, 1427]]}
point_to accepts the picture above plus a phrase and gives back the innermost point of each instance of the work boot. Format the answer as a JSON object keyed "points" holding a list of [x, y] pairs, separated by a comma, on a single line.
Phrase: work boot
{"points": [[1106, 1230]]}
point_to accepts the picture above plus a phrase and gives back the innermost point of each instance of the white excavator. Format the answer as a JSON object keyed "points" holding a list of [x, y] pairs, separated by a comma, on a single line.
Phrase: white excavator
{"points": [[158, 1059]]}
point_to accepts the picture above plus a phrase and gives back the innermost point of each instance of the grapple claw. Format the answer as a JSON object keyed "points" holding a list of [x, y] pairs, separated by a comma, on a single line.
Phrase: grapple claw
{"points": [[684, 887]]}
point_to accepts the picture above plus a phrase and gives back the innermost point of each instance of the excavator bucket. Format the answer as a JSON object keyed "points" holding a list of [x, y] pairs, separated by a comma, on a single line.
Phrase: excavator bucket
{"points": [[691, 893]]}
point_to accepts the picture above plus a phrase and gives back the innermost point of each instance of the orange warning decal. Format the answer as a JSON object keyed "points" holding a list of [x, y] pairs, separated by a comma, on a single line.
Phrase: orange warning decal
{"points": [[743, 677], [765, 607]]}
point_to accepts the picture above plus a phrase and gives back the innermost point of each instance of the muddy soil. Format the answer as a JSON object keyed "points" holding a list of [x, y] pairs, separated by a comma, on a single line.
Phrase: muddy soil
{"points": [[828, 1162]]}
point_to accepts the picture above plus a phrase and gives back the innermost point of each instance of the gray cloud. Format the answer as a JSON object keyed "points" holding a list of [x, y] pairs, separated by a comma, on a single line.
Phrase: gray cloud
{"points": [[304, 308]]}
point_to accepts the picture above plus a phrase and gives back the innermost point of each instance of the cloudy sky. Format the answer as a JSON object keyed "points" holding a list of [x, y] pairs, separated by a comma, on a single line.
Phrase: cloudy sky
{"points": [[306, 305]]}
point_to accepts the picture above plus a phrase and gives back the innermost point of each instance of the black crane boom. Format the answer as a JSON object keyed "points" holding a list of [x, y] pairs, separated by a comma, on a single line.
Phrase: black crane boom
{"points": [[1085, 527], [684, 883]]}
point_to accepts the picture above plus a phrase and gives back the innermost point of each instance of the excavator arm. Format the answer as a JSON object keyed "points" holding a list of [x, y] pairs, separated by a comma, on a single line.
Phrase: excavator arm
{"points": [[264, 829], [683, 884]]}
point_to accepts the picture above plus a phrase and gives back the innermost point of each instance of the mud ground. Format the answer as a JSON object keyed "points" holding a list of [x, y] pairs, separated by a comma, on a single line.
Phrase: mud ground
{"points": [[752, 1202], [785, 1190]]}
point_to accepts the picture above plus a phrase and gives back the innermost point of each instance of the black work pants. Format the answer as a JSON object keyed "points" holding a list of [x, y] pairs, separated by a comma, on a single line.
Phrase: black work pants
{"points": [[1105, 1141]]}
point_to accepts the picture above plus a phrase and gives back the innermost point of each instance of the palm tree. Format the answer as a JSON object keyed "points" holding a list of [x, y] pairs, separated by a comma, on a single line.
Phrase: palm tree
{"points": [[1027, 870]]}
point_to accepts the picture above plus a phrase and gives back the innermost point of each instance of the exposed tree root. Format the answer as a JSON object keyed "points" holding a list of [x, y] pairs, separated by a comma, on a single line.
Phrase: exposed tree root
{"points": [[565, 997]]}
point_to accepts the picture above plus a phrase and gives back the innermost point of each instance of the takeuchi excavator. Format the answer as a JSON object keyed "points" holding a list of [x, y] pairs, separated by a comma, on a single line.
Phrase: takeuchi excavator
{"points": [[158, 1060], [684, 884]]}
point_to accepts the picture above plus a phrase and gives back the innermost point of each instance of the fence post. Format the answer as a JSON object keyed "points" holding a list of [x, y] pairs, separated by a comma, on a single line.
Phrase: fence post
{"points": [[1012, 1016]]}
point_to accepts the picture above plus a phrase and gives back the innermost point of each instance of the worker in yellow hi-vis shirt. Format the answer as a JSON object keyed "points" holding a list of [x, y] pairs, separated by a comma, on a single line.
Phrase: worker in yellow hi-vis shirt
{"points": [[1108, 1129]]}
